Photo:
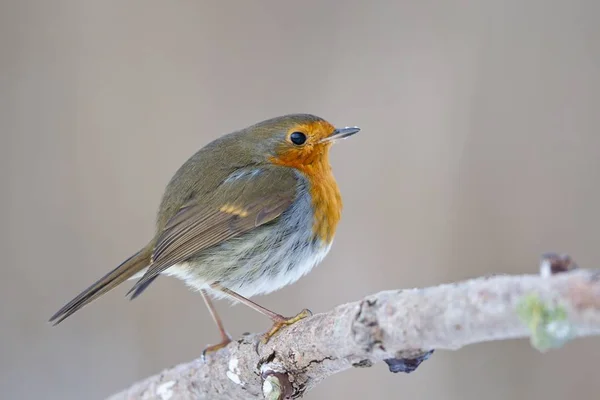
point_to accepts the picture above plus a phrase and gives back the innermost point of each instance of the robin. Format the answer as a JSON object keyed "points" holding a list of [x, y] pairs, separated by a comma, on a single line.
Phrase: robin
{"points": [[251, 212]]}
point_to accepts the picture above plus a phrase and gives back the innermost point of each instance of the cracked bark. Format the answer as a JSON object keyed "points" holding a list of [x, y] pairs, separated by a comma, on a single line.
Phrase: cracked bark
{"points": [[401, 327]]}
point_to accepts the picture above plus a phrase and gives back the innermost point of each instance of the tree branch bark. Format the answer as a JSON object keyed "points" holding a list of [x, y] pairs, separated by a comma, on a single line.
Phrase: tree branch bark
{"points": [[400, 326]]}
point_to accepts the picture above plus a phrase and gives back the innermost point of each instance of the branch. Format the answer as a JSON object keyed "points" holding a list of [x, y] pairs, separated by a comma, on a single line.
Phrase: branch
{"points": [[401, 327]]}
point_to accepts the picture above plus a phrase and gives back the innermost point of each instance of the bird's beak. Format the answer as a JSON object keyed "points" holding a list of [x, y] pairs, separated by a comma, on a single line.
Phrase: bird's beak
{"points": [[341, 133]]}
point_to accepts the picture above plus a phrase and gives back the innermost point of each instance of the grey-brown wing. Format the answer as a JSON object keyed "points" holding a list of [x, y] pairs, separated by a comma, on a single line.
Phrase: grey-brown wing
{"points": [[235, 207]]}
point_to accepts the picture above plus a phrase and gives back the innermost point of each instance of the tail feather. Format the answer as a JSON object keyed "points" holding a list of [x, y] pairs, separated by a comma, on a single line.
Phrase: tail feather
{"points": [[126, 270], [138, 290]]}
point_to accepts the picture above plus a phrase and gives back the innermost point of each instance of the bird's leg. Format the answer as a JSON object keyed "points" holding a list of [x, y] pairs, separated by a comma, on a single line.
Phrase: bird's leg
{"points": [[279, 321], [225, 338]]}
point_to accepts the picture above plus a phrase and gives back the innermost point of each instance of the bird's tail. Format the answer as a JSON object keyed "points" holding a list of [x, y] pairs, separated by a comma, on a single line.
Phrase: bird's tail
{"points": [[126, 270]]}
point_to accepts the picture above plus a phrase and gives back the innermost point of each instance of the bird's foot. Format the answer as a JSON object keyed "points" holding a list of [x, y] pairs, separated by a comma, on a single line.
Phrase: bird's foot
{"points": [[216, 347], [280, 323]]}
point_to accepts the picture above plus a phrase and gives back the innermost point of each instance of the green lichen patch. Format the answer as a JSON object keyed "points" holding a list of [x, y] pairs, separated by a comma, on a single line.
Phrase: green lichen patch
{"points": [[549, 325]]}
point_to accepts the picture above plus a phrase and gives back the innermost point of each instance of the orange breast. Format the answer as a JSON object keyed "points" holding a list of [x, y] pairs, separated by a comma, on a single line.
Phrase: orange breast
{"points": [[327, 201], [326, 197]]}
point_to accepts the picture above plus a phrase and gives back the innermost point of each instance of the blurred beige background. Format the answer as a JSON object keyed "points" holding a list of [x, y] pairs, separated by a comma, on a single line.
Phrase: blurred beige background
{"points": [[479, 150]]}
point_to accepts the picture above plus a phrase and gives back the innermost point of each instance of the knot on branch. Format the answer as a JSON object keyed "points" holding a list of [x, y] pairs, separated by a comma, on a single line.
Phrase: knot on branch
{"points": [[366, 331], [276, 385], [281, 382]]}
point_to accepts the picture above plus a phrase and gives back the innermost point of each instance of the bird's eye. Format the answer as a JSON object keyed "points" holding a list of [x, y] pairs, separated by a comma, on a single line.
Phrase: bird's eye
{"points": [[298, 138]]}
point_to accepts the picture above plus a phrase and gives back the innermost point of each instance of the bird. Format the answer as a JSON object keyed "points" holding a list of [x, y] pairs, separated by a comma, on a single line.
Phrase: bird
{"points": [[248, 214]]}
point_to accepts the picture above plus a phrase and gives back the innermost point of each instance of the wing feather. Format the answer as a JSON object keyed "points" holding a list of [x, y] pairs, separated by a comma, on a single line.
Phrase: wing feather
{"points": [[234, 208]]}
